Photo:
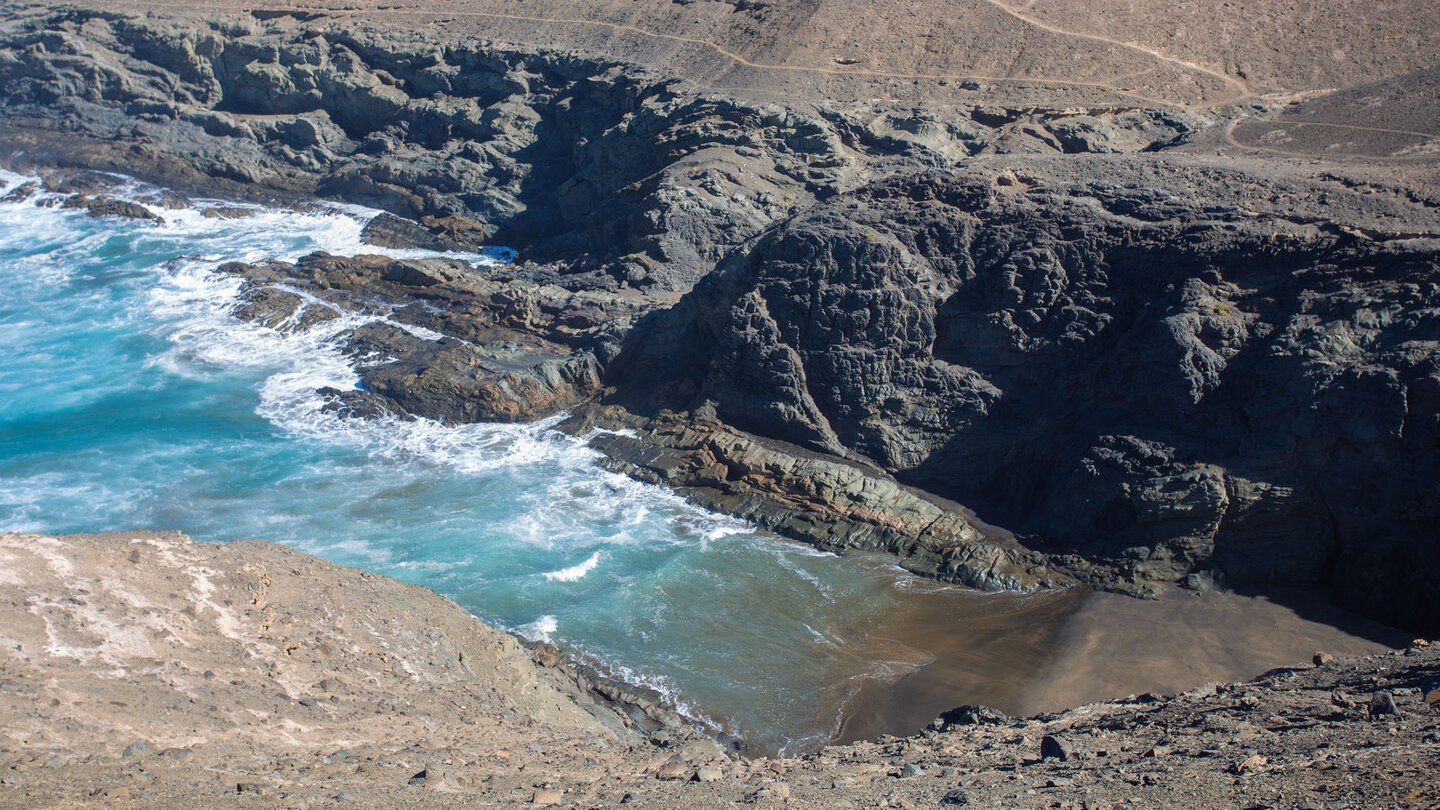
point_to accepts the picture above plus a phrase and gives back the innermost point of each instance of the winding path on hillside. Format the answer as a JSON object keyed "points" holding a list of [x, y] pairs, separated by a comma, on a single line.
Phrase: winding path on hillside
{"points": [[1243, 90]]}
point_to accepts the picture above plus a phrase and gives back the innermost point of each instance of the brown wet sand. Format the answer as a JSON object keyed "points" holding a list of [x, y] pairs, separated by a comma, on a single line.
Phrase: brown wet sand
{"points": [[1049, 652]]}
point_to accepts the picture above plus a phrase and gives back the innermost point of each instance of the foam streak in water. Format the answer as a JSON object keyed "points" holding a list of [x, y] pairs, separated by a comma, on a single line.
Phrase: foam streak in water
{"points": [[575, 572]]}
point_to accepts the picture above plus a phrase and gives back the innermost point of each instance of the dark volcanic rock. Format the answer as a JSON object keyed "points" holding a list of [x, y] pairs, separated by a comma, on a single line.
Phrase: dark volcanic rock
{"points": [[455, 344], [832, 503], [452, 381], [1147, 384], [358, 404], [968, 715], [450, 233], [281, 310], [1055, 747], [111, 207], [605, 170]]}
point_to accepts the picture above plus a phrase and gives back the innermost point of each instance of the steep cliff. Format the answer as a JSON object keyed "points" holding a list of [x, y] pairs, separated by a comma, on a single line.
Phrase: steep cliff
{"points": [[1158, 376]]}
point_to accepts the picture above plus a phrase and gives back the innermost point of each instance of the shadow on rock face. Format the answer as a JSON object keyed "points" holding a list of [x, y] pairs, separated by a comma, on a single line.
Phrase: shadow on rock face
{"points": [[1144, 384]]}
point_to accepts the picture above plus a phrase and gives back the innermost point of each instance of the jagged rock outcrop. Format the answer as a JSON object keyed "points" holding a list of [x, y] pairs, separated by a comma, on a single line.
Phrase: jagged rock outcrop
{"points": [[1154, 369], [832, 503], [111, 207], [610, 173], [431, 233], [1150, 380], [457, 343]]}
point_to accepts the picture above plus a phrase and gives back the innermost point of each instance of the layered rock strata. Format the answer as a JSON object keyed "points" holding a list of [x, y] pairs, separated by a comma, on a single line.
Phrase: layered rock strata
{"points": [[835, 504]]}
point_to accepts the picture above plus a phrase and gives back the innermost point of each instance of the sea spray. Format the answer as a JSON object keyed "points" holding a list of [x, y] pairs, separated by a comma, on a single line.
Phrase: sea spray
{"points": [[133, 399]]}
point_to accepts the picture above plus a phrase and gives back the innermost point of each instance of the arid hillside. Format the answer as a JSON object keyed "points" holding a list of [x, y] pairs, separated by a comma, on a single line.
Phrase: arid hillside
{"points": [[1185, 53], [146, 670]]}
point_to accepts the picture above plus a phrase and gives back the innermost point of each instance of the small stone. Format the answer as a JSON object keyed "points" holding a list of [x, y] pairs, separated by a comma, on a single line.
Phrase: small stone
{"points": [[771, 791], [1383, 704], [1155, 751], [911, 770], [674, 768], [134, 555], [1322, 658], [968, 715], [1432, 693], [708, 775], [1053, 747], [136, 749], [549, 797], [432, 776], [178, 754], [1250, 764], [956, 798]]}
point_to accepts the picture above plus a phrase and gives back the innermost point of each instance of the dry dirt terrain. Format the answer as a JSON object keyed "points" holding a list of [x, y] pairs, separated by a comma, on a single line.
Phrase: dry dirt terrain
{"points": [[1181, 53], [146, 670]]}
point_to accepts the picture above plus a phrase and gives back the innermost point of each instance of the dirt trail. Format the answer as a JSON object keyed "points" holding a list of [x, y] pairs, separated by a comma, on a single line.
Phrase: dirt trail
{"points": [[848, 72], [1242, 86]]}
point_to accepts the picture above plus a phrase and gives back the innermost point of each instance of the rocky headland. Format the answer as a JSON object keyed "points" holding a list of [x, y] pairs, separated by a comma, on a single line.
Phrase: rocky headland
{"points": [[1162, 305], [1153, 364]]}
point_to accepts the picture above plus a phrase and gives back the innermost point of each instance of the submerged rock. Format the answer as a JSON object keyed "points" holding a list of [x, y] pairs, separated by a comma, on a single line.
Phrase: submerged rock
{"points": [[110, 207], [432, 233]]}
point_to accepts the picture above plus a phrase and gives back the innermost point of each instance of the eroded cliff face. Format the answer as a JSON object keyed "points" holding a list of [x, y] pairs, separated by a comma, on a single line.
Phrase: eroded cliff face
{"points": [[608, 174], [1153, 383], [1157, 368]]}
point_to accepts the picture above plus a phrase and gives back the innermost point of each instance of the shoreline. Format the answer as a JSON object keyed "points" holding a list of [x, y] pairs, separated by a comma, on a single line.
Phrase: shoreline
{"points": [[1051, 653], [649, 209], [273, 689], [1009, 671]]}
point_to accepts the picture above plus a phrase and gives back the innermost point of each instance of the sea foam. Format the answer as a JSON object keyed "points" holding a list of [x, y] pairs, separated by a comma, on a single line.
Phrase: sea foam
{"points": [[575, 572]]}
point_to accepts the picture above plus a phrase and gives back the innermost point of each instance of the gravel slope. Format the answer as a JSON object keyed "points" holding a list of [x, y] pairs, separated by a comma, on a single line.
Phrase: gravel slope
{"points": [[145, 670]]}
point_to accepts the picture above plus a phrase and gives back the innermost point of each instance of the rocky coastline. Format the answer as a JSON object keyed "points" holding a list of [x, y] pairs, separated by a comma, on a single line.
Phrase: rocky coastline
{"points": [[655, 384], [1154, 366], [1162, 340]]}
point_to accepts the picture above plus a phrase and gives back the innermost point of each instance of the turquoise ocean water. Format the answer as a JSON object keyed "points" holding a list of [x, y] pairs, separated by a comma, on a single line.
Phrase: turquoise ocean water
{"points": [[130, 399]]}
